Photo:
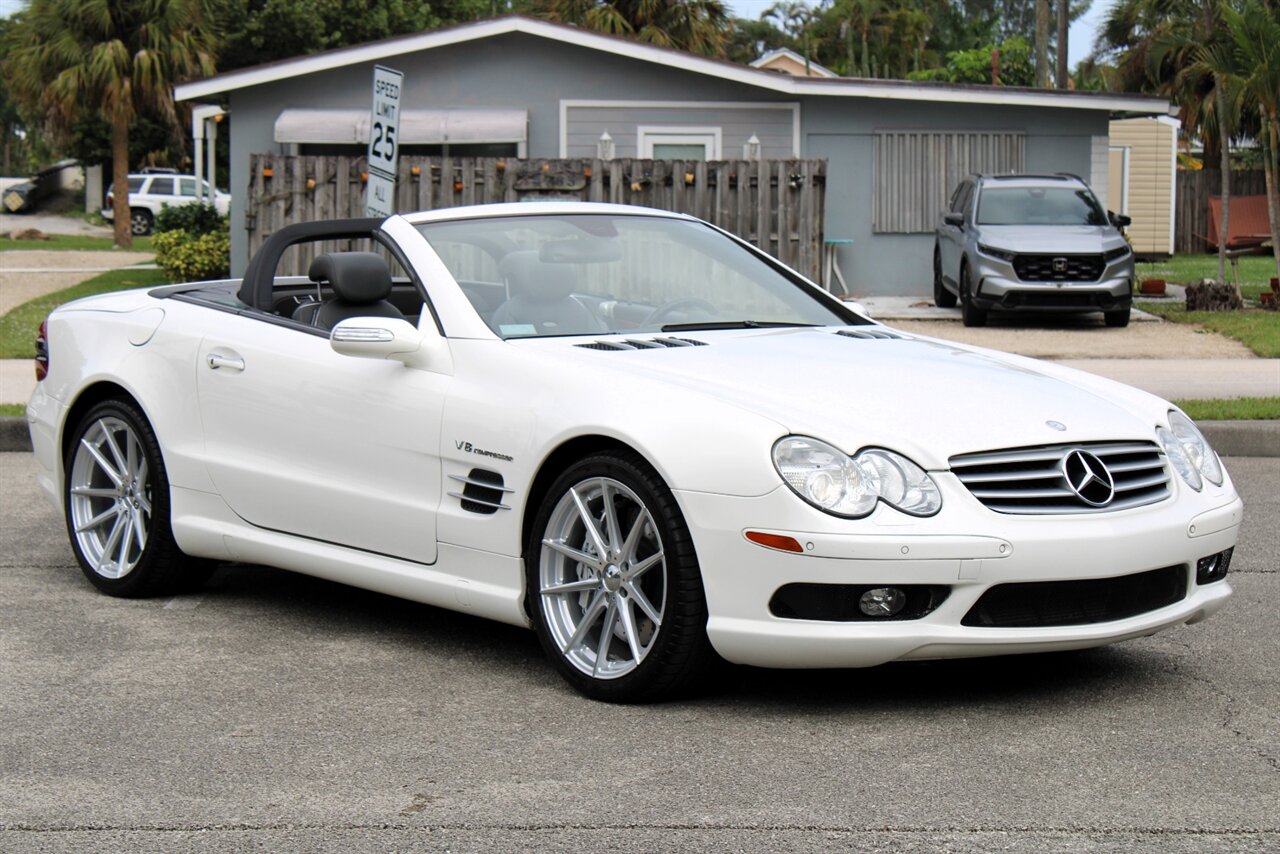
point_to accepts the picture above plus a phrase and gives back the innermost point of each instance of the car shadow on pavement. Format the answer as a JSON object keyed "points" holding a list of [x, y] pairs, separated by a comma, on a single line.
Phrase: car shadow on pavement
{"points": [[310, 606]]}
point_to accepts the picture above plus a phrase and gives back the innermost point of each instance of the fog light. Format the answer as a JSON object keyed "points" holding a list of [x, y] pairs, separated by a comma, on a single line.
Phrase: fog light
{"points": [[1213, 567], [882, 601]]}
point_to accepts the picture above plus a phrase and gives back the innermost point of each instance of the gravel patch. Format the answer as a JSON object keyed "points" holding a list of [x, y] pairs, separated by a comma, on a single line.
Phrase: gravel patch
{"points": [[1162, 340]]}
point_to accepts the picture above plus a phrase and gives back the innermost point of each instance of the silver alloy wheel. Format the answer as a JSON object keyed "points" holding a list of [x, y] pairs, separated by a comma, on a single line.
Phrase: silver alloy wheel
{"points": [[602, 578], [110, 497]]}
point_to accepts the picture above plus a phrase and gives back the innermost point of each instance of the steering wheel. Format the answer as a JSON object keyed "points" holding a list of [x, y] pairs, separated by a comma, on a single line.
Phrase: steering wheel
{"points": [[675, 305]]}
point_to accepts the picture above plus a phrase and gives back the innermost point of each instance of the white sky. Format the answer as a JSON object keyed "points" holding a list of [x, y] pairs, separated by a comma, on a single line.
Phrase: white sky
{"points": [[1079, 40]]}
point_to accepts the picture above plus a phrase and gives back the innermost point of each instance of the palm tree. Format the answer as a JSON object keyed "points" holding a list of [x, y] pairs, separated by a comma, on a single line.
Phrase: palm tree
{"points": [[69, 59], [698, 26], [1255, 30]]}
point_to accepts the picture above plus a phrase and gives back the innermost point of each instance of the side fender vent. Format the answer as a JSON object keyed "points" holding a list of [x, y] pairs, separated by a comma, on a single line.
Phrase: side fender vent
{"points": [[482, 491], [871, 333]]}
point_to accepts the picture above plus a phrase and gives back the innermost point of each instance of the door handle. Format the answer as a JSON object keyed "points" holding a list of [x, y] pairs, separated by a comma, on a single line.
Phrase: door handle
{"points": [[230, 362]]}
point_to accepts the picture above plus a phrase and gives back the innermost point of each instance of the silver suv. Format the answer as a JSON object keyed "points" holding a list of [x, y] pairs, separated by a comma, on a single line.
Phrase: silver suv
{"points": [[1036, 242], [149, 192]]}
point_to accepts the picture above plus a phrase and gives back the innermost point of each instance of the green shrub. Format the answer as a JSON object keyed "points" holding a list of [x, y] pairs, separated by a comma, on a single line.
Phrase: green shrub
{"points": [[194, 219], [187, 258]]}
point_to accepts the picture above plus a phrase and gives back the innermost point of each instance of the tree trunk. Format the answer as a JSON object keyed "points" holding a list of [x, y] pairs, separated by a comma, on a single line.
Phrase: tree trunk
{"points": [[1064, 24], [1042, 43], [1224, 134], [1271, 167], [120, 180]]}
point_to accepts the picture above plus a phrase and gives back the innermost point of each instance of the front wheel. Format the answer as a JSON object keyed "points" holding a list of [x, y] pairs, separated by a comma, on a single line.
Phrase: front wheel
{"points": [[1117, 319], [117, 507], [140, 221], [942, 297], [614, 586], [970, 313]]}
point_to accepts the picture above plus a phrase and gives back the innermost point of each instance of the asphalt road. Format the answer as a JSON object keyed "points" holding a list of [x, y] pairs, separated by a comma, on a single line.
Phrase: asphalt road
{"points": [[276, 712]]}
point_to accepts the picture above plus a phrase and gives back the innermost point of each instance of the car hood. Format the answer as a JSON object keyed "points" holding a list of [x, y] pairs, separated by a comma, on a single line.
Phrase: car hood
{"points": [[1063, 239], [926, 398]]}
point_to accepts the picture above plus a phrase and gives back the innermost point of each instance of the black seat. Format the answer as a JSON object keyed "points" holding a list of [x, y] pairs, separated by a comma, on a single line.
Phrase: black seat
{"points": [[361, 284], [541, 300]]}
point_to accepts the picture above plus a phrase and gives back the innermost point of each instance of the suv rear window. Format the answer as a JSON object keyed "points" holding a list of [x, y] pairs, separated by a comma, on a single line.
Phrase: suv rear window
{"points": [[1039, 206], [161, 187]]}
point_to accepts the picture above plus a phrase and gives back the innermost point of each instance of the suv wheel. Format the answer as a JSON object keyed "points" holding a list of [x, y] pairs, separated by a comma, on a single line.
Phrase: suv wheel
{"points": [[973, 316], [1117, 319], [942, 297], [140, 221]]}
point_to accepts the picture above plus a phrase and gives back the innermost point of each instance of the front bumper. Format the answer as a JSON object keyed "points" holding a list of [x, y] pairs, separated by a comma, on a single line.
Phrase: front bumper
{"points": [[996, 285], [888, 548]]}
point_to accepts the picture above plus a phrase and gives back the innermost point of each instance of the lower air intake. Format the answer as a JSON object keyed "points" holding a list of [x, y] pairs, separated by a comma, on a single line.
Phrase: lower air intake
{"points": [[1077, 603]]}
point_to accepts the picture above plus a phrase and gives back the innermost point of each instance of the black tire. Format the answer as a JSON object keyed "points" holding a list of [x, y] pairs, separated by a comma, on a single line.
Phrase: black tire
{"points": [[674, 653], [130, 552], [972, 315], [1117, 319], [140, 221], [942, 297]]}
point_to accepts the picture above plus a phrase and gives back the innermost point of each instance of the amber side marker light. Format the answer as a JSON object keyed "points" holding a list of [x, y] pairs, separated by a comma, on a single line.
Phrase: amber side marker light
{"points": [[775, 541]]}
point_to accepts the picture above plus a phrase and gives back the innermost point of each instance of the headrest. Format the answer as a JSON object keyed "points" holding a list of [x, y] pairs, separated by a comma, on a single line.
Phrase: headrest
{"points": [[535, 279], [355, 276]]}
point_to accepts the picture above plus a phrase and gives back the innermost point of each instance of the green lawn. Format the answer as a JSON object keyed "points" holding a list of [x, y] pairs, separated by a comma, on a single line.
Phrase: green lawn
{"points": [[1256, 328], [72, 242], [7, 409], [1256, 271], [18, 327], [1232, 409]]}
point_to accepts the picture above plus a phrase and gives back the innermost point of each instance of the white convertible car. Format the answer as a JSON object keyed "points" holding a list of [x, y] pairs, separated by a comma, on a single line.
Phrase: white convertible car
{"points": [[634, 433]]}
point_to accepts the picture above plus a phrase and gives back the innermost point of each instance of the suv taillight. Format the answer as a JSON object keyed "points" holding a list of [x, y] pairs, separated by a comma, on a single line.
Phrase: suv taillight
{"points": [[42, 351]]}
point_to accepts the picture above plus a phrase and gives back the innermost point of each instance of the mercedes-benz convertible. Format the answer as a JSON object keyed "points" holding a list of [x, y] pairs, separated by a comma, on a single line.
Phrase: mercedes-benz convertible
{"points": [[630, 431]]}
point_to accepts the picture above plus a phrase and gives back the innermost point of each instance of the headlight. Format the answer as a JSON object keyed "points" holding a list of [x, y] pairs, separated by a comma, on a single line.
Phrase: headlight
{"points": [[1188, 451], [1113, 254], [836, 483], [1002, 254]]}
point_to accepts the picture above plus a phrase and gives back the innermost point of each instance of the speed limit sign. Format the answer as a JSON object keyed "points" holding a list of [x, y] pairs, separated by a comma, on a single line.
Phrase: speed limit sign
{"points": [[384, 121]]}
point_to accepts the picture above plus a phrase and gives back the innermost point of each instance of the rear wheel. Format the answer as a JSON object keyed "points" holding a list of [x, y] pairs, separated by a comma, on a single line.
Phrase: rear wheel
{"points": [[117, 507], [1117, 319], [140, 220], [942, 297], [973, 316], [615, 590]]}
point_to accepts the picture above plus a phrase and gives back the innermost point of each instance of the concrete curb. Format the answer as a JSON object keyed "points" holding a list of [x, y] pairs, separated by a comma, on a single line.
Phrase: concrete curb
{"points": [[1229, 438]]}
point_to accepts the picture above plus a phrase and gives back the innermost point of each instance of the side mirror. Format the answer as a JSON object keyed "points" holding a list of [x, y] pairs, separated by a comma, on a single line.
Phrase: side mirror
{"points": [[952, 218], [1120, 220], [380, 338]]}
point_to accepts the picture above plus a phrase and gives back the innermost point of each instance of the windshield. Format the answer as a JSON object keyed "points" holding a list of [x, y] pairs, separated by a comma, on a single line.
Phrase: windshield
{"points": [[595, 274], [1039, 206]]}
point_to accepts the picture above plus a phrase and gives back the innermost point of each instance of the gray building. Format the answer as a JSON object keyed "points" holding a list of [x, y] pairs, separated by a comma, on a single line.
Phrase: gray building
{"points": [[517, 86]]}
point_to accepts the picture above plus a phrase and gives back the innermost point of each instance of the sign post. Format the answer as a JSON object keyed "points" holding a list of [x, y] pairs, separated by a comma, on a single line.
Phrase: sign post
{"points": [[384, 122]]}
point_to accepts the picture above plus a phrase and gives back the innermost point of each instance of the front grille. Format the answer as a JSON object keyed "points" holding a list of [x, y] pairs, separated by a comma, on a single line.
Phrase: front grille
{"points": [[1045, 268], [1035, 480], [1077, 603]]}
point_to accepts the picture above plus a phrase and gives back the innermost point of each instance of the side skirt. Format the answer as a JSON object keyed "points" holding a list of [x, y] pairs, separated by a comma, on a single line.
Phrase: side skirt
{"points": [[468, 580]]}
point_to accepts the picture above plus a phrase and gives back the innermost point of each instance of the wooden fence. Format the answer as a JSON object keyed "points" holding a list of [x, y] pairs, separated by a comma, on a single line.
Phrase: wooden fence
{"points": [[775, 204], [1191, 214]]}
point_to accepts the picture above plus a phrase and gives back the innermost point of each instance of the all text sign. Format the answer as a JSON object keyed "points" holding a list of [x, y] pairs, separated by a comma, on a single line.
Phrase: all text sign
{"points": [[384, 122]]}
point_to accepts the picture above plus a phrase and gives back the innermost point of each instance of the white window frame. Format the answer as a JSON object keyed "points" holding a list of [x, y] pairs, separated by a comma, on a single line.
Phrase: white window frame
{"points": [[647, 136]]}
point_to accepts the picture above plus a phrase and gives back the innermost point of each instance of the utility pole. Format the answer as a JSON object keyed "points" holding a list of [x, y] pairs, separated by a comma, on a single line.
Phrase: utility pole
{"points": [[1042, 43], [1064, 23]]}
